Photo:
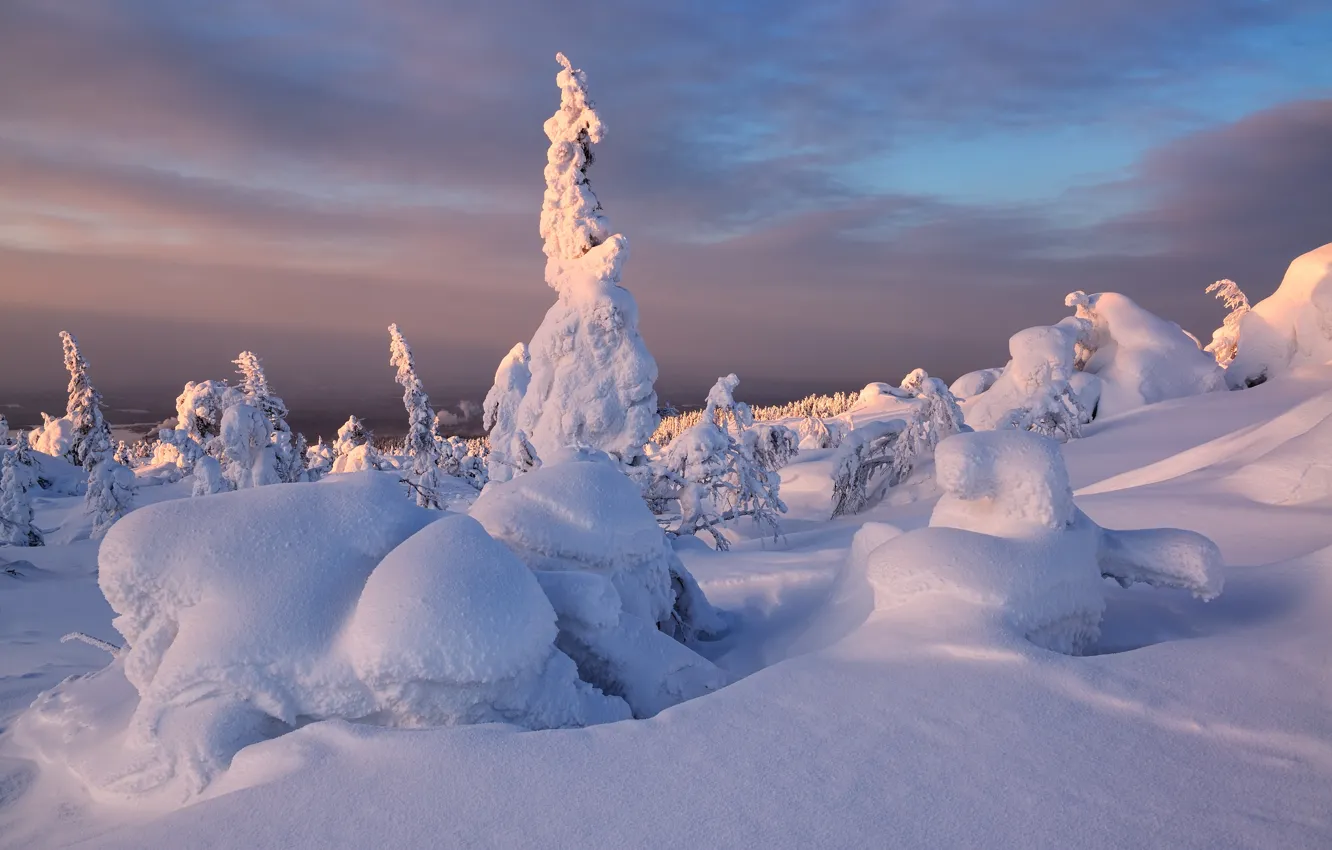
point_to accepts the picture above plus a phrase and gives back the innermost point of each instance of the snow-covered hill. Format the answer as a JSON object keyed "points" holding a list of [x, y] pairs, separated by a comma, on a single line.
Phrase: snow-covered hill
{"points": [[857, 717]]}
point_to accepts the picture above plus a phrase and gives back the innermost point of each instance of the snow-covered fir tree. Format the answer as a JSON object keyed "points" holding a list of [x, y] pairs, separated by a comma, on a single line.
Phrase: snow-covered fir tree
{"points": [[1225, 339], [91, 435], [16, 528], [591, 374], [500, 412], [289, 465], [122, 454], [707, 476], [110, 493], [5, 439], [421, 446]]}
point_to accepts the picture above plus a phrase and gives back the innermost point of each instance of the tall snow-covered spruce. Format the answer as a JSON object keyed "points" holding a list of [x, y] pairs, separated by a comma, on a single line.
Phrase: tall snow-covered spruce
{"points": [[92, 436], [289, 465], [421, 446], [592, 377]]}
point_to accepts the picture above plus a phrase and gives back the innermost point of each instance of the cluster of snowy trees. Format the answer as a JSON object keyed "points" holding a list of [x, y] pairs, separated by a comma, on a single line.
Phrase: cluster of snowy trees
{"points": [[82, 439], [811, 408]]}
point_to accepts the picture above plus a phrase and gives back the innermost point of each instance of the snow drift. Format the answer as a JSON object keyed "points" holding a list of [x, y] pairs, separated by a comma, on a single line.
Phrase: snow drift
{"points": [[1008, 549], [1291, 327], [285, 605]]}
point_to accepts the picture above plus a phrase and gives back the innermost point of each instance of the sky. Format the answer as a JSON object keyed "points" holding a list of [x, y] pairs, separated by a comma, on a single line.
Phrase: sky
{"points": [[816, 195]]}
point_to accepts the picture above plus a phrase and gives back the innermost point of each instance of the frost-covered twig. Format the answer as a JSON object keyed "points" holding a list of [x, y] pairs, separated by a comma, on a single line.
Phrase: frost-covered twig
{"points": [[105, 646]]}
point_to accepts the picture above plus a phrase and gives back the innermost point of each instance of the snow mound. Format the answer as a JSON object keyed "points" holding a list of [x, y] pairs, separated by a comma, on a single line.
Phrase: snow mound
{"points": [[974, 383], [285, 605], [1141, 358], [1291, 327], [615, 582], [1006, 540]]}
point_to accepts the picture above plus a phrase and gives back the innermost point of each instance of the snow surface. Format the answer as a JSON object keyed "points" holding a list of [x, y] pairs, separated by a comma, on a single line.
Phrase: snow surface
{"points": [[1292, 327], [933, 722]]}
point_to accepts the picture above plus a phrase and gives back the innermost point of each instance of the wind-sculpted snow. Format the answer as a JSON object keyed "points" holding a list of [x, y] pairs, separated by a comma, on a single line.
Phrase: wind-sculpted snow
{"points": [[1007, 544], [1139, 357], [612, 576], [283, 605], [1291, 327]]}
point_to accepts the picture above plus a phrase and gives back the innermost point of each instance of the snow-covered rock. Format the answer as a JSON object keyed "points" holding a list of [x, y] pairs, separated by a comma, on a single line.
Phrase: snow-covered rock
{"points": [[1291, 327], [1007, 543]]}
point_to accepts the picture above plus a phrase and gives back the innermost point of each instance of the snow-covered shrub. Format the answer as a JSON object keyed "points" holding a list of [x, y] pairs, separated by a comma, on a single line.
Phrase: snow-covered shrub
{"points": [[1139, 357], [591, 374], [208, 477], [864, 465], [285, 605], [246, 448], [1033, 392], [16, 528], [715, 472], [1225, 339], [1292, 327], [353, 433], [626, 604], [110, 493], [500, 412], [1006, 538], [815, 433], [288, 462], [91, 435], [318, 460]]}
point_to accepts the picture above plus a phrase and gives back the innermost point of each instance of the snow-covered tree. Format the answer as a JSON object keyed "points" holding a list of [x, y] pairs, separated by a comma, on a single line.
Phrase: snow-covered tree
{"points": [[16, 528], [318, 460], [865, 465], [1225, 339], [289, 465], [91, 435], [457, 459], [591, 374], [500, 411], [710, 476], [25, 464], [353, 433], [421, 446], [199, 409], [936, 417], [246, 448], [122, 453], [5, 439], [110, 493]]}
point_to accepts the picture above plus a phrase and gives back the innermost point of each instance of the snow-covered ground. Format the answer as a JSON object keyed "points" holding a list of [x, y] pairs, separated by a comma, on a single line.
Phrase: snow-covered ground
{"points": [[864, 711]]}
